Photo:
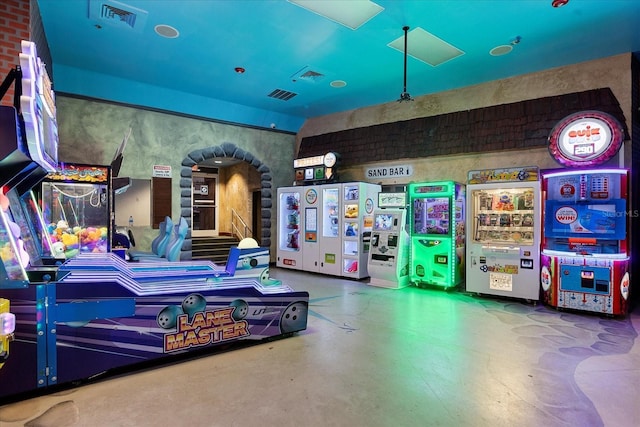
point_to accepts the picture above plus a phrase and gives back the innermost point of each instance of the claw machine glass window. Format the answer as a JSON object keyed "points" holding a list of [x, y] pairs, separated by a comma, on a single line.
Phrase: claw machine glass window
{"points": [[431, 215], [76, 206], [503, 216]]}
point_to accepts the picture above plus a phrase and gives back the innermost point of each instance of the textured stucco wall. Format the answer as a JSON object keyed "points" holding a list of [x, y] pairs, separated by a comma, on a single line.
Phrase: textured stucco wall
{"points": [[91, 131]]}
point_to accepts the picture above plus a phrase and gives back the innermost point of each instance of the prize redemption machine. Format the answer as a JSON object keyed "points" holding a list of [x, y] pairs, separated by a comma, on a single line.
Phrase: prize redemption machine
{"points": [[503, 214], [585, 261], [325, 226], [389, 253], [331, 226], [95, 312], [289, 248], [437, 229]]}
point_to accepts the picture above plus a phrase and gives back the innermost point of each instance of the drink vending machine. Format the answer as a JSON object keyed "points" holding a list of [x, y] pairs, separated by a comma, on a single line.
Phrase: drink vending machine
{"points": [[503, 217], [437, 229], [389, 253], [585, 259]]}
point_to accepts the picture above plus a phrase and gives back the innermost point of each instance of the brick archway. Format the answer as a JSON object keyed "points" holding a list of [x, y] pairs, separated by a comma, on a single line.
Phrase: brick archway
{"points": [[227, 149]]}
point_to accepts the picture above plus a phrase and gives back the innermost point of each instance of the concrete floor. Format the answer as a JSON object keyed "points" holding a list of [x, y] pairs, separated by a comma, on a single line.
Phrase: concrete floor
{"points": [[380, 357]]}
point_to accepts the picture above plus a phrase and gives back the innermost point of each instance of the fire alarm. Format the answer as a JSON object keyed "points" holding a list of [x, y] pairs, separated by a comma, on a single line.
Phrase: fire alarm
{"points": [[559, 3]]}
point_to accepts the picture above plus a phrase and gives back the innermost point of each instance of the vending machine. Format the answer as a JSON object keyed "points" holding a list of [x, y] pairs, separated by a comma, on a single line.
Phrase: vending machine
{"points": [[503, 244], [389, 254], [437, 230], [585, 246], [330, 244], [289, 249], [311, 221], [359, 200]]}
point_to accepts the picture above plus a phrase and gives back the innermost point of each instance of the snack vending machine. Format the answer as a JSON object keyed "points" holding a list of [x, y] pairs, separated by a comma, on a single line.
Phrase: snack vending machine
{"points": [[358, 204], [585, 247], [389, 254], [289, 250], [503, 245], [437, 229]]}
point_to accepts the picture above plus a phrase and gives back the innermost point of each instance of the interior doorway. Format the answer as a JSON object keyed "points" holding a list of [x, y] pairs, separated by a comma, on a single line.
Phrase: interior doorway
{"points": [[204, 210]]}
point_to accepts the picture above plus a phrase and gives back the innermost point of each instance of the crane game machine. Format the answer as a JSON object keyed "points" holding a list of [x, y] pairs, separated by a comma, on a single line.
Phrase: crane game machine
{"points": [[503, 255], [76, 205], [389, 253], [437, 229], [585, 246]]}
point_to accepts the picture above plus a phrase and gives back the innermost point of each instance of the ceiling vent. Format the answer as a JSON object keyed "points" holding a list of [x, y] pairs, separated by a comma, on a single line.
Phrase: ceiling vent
{"points": [[283, 95], [118, 14], [308, 75]]}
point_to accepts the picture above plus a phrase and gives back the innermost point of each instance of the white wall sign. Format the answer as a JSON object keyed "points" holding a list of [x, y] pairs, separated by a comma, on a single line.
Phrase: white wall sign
{"points": [[161, 171], [398, 171]]}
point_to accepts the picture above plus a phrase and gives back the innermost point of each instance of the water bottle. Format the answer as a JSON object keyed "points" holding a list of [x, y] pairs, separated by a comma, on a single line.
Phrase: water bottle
{"points": [[130, 221]]}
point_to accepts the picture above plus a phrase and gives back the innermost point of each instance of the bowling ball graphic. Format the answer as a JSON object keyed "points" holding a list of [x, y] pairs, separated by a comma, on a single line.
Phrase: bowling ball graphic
{"points": [[250, 262], [266, 280], [294, 317], [167, 318], [192, 304], [242, 309]]}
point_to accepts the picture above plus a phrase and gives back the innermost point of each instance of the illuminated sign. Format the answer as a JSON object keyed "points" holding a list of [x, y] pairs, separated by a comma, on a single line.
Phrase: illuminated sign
{"points": [[527, 173], [585, 139]]}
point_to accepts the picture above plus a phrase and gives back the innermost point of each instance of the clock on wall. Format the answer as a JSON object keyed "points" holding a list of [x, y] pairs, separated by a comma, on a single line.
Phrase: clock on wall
{"points": [[330, 159]]}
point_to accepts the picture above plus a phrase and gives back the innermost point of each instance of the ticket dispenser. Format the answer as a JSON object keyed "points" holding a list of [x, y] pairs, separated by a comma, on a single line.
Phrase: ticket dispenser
{"points": [[389, 254]]}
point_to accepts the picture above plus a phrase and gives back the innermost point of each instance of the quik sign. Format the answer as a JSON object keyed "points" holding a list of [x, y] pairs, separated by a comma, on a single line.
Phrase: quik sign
{"points": [[399, 171]]}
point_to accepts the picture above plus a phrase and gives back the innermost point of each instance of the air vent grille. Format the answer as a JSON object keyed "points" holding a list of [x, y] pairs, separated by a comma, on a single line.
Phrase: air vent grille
{"points": [[283, 95], [112, 12], [117, 14]]}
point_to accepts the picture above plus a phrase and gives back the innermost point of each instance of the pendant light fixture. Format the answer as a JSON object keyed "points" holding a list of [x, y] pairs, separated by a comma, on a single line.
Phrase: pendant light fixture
{"points": [[404, 96]]}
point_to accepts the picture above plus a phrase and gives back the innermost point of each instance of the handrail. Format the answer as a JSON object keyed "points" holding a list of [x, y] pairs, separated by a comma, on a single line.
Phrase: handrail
{"points": [[246, 230]]}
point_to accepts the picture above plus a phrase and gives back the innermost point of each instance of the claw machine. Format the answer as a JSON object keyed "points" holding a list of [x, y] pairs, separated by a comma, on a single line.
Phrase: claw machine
{"points": [[437, 229], [503, 243], [76, 206], [585, 247], [358, 204], [289, 248]]}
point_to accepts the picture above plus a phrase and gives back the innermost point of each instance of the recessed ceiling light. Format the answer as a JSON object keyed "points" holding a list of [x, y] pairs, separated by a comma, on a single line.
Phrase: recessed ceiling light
{"points": [[338, 83], [501, 50], [167, 31]]}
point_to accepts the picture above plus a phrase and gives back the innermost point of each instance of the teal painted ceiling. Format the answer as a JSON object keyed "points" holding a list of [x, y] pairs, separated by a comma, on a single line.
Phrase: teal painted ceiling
{"points": [[112, 50]]}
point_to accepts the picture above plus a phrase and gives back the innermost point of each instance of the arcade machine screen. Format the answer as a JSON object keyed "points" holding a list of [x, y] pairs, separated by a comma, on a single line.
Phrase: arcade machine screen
{"points": [[384, 222]]}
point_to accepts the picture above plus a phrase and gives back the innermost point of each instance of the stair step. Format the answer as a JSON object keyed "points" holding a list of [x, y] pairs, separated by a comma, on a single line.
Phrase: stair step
{"points": [[215, 249]]}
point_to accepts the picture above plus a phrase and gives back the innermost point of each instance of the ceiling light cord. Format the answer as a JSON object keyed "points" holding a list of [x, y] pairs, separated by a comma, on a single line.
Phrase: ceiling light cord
{"points": [[404, 96]]}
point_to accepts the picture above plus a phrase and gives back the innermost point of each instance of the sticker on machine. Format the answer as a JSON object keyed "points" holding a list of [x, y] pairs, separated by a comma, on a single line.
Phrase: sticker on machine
{"points": [[501, 282]]}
